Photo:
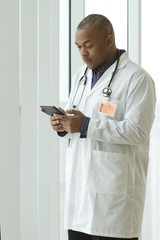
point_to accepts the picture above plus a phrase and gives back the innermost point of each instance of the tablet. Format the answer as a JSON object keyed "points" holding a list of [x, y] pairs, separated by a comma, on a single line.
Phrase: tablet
{"points": [[51, 110]]}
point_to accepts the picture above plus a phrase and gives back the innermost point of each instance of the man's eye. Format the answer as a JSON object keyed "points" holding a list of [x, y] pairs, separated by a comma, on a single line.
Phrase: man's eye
{"points": [[90, 46]]}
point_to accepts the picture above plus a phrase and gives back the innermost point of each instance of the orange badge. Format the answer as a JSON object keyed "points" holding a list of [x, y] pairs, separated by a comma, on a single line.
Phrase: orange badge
{"points": [[107, 108]]}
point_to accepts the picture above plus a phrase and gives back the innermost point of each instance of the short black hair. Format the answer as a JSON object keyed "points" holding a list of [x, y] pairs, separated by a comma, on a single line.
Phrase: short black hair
{"points": [[98, 22]]}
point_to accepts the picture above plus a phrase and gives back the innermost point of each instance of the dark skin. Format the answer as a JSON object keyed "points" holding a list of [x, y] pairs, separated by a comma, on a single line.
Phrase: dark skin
{"points": [[96, 50], [62, 123]]}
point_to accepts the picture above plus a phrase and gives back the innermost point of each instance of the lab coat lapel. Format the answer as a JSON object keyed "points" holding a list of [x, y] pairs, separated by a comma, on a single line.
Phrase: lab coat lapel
{"points": [[104, 80]]}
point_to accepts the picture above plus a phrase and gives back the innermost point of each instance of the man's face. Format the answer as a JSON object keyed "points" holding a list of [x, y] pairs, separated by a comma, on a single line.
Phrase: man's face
{"points": [[93, 47]]}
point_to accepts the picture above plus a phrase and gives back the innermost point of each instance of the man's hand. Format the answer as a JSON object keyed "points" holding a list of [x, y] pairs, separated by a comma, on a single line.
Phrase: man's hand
{"points": [[70, 123], [55, 122]]}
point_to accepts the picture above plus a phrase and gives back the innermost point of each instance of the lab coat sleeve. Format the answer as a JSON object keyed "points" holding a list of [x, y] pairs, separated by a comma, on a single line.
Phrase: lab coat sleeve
{"points": [[136, 125]]}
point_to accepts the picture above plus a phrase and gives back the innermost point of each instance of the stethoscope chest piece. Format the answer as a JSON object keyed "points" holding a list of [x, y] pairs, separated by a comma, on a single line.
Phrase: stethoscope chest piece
{"points": [[107, 92]]}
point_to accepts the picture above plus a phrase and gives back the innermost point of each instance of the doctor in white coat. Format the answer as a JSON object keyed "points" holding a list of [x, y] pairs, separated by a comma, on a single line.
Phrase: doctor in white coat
{"points": [[110, 113]]}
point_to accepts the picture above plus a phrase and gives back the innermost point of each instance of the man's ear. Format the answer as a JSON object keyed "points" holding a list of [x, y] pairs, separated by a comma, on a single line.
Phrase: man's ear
{"points": [[109, 40]]}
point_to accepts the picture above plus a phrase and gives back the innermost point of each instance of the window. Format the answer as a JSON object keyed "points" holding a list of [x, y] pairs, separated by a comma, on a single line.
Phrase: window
{"points": [[134, 26], [117, 15], [150, 61]]}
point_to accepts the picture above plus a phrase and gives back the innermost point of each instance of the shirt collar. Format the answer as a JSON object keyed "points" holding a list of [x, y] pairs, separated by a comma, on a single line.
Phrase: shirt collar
{"points": [[102, 70]]}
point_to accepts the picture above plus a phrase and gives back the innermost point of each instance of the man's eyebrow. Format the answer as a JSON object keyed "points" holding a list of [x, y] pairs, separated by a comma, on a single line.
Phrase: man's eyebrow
{"points": [[84, 42]]}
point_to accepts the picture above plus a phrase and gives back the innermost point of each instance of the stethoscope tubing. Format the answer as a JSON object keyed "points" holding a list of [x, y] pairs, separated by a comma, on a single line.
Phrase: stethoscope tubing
{"points": [[106, 91]]}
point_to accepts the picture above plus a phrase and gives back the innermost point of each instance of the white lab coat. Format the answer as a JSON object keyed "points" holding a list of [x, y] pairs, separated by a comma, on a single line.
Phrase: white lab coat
{"points": [[106, 172]]}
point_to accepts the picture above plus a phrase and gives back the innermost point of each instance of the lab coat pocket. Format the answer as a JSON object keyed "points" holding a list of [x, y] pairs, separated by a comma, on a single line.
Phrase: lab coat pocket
{"points": [[109, 173], [112, 109]]}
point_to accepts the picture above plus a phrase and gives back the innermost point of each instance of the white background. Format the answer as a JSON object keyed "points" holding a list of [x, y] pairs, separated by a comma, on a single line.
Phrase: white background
{"points": [[33, 50]]}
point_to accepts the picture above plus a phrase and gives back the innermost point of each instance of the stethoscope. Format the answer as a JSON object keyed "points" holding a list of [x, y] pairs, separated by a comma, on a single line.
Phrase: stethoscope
{"points": [[106, 91], [84, 77]]}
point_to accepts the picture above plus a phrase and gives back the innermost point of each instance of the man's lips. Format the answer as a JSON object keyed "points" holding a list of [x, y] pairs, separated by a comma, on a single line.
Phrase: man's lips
{"points": [[86, 60]]}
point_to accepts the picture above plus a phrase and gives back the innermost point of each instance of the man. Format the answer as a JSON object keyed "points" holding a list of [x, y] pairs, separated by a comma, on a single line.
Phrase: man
{"points": [[109, 117]]}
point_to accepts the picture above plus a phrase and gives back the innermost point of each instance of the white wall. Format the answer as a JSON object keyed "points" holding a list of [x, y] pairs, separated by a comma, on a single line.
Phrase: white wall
{"points": [[9, 120], [39, 168], [29, 150], [29, 121]]}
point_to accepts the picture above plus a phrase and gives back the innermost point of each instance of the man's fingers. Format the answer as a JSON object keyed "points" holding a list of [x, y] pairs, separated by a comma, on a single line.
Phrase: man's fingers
{"points": [[61, 117], [62, 110], [72, 111], [55, 122], [42, 110]]}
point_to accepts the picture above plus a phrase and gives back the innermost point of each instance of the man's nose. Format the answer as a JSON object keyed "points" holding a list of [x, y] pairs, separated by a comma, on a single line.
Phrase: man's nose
{"points": [[83, 51]]}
